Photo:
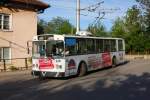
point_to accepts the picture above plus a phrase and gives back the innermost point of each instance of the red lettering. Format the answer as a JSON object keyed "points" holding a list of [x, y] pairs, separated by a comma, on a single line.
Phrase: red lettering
{"points": [[46, 63]]}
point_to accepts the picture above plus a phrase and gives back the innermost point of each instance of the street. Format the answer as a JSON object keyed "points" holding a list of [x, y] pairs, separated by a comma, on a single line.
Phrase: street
{"points": [[130, 81]]}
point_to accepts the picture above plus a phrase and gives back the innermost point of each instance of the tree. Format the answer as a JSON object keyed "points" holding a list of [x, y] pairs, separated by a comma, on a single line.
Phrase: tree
{"points": [[118, 29], [130, 28], [41, 27], [59, 25], [133, 28], [145, 5], [97, 29], [133, 20]]}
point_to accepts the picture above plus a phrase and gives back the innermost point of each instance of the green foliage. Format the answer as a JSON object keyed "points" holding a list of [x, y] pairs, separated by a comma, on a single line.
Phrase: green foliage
{"points": [[41, 27], [131, 28], [57, 25], [118, 29], [145, 7], [97, 30], [132, 20]]}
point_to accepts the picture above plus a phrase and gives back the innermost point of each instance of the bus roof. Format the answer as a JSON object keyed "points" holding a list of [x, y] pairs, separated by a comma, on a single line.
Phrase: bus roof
{"points": [[93, 37], [78, 36]]}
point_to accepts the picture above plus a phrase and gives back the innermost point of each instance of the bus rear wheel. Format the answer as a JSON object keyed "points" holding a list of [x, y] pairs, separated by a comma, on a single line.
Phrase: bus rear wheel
{"points": [[82, 69], [114, 62]]}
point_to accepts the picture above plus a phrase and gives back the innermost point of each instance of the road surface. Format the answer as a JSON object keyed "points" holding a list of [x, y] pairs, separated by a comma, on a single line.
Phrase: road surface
{"points": [[130, 81]]}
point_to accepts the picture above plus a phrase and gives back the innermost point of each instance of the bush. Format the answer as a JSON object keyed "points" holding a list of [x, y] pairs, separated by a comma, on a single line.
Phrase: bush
{"points": [[13, 68]]}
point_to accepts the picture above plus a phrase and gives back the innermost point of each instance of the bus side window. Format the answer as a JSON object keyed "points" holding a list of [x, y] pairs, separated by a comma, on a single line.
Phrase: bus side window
{"points": [[107, 45], [81, 46], [70, 46], [99, 46], [113, 46], [91, 46]]}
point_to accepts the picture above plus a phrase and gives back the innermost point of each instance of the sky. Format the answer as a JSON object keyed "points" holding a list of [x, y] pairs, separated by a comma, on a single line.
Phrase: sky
{"points": [[67, 10]]}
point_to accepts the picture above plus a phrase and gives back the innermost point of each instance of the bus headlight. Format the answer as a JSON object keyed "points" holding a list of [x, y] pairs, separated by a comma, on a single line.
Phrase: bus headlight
{"points": [[58, 61], [35, 65], [59, 66]]}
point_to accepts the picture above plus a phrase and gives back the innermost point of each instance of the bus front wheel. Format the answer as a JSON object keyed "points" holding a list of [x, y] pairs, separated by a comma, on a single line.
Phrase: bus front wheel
{"points": [[82, 69], [41, 77]]}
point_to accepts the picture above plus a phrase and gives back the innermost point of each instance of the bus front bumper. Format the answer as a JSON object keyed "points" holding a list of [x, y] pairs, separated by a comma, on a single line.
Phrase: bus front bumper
{"points": [[48, 74]]}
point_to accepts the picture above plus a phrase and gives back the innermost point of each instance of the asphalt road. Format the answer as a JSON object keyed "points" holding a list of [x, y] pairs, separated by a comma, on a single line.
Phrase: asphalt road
{"points": [[130, 81]]}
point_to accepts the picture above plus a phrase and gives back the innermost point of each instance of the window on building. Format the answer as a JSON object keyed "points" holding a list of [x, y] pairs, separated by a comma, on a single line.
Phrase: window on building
{"points": [[4, 21], [5, 53]]}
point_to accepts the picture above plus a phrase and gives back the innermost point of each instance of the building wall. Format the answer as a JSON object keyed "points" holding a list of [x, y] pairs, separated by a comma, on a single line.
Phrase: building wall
{"points": [[24, 27]]}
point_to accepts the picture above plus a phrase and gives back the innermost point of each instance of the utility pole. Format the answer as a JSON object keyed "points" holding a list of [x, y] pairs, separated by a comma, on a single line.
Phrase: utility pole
{"points": [[78, 16]]}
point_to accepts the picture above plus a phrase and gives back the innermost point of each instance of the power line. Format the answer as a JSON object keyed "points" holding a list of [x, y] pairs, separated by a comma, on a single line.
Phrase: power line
{"points": [[96, 9], [93, 8]]}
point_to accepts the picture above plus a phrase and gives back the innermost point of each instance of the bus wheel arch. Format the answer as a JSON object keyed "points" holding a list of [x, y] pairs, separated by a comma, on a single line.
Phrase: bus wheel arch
{"points": [[114, 61], [82, 69]]}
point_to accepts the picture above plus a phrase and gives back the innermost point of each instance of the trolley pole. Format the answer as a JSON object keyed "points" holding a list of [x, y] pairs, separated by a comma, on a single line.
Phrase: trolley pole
{"points": [[78, 16]]}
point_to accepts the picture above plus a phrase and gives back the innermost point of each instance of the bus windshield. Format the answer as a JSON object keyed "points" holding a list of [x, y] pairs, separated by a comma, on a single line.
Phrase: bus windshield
{"points": [[48, 49]]}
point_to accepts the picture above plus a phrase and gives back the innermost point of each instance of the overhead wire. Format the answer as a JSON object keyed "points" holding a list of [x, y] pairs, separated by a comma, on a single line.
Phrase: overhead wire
{"points": [[94, 8]]}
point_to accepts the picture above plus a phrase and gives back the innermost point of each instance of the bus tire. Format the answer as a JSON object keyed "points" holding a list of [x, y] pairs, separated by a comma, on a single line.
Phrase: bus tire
{"points": [[41, 77], [114, 62], [82, 69]]}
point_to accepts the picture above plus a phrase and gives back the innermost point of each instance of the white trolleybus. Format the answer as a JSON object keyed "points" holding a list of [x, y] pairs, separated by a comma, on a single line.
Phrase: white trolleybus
{"points": [[65, 55]]}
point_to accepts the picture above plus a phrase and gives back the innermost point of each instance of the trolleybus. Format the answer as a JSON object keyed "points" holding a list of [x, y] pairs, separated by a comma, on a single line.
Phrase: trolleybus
{"points": [[66, 55]]}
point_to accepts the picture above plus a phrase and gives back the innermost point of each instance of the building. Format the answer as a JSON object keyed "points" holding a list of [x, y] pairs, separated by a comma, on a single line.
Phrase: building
{"points": [[18, 24]]}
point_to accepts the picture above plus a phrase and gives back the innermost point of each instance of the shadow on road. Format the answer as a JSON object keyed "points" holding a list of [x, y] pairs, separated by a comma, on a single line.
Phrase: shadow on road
{"points": [[129, 87]]}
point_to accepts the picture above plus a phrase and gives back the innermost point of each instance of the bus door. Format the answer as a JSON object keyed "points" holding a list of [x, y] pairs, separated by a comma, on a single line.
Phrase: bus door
{"points": [[71, 55]]}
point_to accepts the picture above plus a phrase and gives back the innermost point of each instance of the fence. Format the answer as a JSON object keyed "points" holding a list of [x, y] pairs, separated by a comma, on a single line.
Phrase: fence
{"points": [[132, 57], [15, 64]]}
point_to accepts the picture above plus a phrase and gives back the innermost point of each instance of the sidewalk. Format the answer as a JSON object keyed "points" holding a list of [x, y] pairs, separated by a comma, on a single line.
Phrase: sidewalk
{"points": [[18, 72]]}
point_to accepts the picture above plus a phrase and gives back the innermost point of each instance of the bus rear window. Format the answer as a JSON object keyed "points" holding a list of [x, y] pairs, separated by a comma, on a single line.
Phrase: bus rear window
{"points": [[120, 45]]}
